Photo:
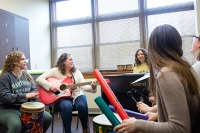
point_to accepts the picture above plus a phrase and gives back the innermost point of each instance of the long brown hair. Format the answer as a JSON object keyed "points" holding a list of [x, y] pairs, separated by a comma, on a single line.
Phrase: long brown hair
{"points": [[60, 63], [165, 50], [9, 65], [13, 57]]}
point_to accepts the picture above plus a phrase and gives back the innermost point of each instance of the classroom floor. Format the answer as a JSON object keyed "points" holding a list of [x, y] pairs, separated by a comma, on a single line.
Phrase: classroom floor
{"points": [[58, 128]]}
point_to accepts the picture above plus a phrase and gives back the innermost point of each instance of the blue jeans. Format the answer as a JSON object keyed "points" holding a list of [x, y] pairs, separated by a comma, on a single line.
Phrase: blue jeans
{"points": [[66, 107]]}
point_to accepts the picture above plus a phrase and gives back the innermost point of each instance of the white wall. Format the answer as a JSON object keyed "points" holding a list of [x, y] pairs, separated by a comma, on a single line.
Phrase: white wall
{"points": [[37, 11], [197, 19]]}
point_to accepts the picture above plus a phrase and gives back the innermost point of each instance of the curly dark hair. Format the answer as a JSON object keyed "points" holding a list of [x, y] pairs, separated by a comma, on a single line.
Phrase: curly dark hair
{"points": [[60, 63], [137, 61]]}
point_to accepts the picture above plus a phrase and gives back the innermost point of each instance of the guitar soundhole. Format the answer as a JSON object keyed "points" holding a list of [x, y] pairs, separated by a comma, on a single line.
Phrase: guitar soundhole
{"points": [[63, 87]]}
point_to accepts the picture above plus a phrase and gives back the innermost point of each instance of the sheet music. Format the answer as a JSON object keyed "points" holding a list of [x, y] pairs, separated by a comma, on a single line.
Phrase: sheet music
{"points": [[147, 75]]}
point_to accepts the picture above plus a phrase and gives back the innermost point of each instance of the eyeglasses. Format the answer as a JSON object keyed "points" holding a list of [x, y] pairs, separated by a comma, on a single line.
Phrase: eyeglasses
{"points": [[198, 37]]}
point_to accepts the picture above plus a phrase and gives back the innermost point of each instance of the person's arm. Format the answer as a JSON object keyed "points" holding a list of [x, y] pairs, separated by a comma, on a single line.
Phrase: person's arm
{"points": [[31, 80], [33, 90], [154, 109], [41, 80], [152, 100], [144, 108], [152, 116], [170, 93], [88, 88]]}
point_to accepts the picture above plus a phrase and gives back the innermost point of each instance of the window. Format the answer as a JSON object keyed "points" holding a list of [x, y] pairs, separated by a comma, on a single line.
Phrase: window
{"points": [[105, 33], [105, 7], [159, 3], [76, 39], [118, 41], [73, 9], [183, 23]]}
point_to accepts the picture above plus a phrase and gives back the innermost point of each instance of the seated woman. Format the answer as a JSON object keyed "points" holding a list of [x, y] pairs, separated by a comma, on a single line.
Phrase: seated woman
{"points": [[65, 69], [16, 88], [174, 84], [141, 61]]}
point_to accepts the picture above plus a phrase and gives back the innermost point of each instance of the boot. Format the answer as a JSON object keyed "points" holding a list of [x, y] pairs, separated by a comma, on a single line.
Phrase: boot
{"points": [[85, 131]]}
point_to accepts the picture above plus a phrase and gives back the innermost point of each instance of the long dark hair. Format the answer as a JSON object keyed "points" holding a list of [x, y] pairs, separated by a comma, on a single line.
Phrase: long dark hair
{"points": [[165, 50], [137, 61], [60, 63]]}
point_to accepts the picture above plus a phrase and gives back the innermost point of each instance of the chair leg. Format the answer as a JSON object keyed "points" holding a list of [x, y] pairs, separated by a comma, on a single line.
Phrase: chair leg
{"points": [[52, 114], [52, 126], [77, 121], [88, 124]]}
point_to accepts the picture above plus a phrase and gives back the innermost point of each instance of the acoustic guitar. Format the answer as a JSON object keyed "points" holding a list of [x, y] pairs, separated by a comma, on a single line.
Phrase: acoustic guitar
{"points": [[50, 98]]}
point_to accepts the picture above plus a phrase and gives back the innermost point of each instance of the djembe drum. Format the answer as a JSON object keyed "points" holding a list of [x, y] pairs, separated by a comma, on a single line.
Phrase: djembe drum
{"points": [[102, 125], [32, 117]]}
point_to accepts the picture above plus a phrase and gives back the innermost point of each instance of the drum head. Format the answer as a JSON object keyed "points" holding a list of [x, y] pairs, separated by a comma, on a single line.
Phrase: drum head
{"points": [[102, 119], [32, 107]]}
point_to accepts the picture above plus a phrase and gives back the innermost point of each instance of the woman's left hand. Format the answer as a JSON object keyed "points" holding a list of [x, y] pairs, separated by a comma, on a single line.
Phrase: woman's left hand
{"points": [[94, 85], [127, 126], [152, 116]]}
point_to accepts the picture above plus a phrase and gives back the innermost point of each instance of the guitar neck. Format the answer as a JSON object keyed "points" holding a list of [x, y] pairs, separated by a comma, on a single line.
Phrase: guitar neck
{"points": [[78, 84]]}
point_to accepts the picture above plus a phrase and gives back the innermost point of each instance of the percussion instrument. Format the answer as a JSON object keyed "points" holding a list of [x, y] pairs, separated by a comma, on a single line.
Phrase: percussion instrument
{"points": [[32, 117], [110, 95], [102, 125], [132, 113]]}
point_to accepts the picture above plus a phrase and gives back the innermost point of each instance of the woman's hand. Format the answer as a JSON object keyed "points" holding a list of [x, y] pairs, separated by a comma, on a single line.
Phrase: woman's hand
{"points": [[152, 116], [54, 89], [152, 99], [94, 85], [142, 107], [72, 89], [32, 95], [127, 126]]}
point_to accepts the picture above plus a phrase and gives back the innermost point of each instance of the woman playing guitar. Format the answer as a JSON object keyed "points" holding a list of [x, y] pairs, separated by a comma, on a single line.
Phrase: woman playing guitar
{"points": [[68, 74]]}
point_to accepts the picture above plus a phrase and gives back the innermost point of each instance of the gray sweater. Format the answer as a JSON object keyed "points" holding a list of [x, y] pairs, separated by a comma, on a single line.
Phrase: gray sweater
{"points": [[13, 90], [177, 109]]}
